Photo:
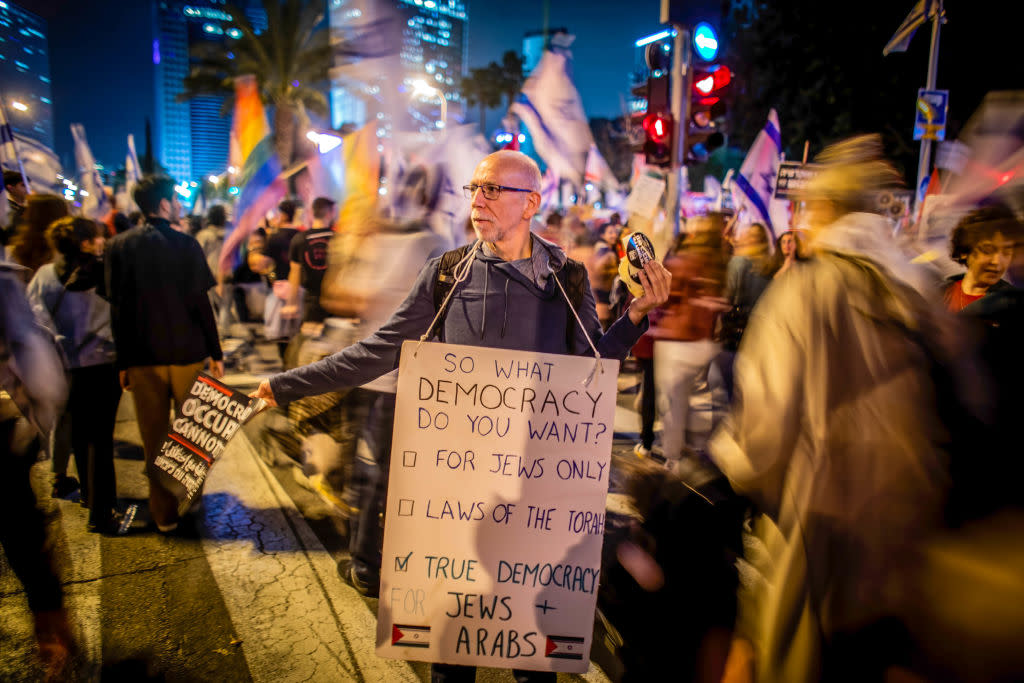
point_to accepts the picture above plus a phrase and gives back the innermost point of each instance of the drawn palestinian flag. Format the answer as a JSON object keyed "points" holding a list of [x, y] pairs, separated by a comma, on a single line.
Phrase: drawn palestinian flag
{"points": [[410, 636], [564, 647]]}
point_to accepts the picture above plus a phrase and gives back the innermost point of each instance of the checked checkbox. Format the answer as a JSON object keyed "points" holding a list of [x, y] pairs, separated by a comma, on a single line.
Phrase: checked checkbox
{"points": [[402, 563], [409, 458], [405, 507]]}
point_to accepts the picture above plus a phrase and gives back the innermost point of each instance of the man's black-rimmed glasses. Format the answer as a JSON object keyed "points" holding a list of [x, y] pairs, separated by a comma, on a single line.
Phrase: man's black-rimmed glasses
{"points": [[490, 191]]}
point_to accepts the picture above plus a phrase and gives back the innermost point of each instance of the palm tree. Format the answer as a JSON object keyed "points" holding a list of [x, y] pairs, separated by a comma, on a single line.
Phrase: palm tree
{"points": [[483, 88], [511, 70], [290, 61]]}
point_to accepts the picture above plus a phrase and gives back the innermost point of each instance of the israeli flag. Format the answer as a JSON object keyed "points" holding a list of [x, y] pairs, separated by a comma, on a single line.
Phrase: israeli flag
{"points": [[754, 185], [9, 159], [552, 110], [94, 200], [132, 174]]}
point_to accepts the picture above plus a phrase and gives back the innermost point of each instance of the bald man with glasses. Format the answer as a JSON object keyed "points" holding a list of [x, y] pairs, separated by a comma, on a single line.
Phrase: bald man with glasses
{"points": [[511, 273], [515, 295]]}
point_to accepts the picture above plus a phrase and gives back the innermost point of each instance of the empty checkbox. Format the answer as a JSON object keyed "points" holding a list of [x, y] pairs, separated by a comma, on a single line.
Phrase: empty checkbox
{"points": [[409, 458], [405, 507]]}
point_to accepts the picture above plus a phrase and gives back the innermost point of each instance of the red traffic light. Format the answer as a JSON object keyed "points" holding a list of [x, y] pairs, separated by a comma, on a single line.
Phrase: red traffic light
{"points": [[711, 80], [658, 127]]}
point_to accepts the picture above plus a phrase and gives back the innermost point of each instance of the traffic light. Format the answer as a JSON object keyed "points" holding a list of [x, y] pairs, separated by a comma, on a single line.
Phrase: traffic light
{"points": [[658, 133], [703, 135]]}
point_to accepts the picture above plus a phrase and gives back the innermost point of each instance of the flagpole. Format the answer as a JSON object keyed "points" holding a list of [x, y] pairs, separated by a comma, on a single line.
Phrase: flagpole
{"points": [[924, 161]]}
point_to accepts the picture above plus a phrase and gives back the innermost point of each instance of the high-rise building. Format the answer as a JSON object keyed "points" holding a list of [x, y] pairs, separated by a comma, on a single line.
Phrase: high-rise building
{"points": [[25, 73], [192, 137], [535, 42], [431, 37]]}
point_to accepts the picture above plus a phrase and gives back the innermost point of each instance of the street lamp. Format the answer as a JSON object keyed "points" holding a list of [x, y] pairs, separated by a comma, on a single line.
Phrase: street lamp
{"points": [[422, 89]]}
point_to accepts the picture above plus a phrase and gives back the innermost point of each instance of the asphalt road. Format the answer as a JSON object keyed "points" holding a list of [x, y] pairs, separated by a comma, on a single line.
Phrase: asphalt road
{"points": [[248, 591]]}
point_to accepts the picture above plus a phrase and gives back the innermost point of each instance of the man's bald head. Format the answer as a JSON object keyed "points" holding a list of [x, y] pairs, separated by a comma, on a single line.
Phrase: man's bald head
{"points": [[511, 164]]}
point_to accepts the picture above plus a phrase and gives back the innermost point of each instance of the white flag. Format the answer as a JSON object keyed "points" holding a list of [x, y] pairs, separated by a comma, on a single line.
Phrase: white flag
{"points": [[9, 161], [597, 170], [754, 185], [132, 175], [548, 190], [552, 110], [40, 165], [94, 204]]}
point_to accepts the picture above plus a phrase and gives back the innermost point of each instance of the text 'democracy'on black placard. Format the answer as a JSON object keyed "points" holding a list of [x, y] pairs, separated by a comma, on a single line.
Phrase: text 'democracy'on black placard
{"points": [[204, 424]]}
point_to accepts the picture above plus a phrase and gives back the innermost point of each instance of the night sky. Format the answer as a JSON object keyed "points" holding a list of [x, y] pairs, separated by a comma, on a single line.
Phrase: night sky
{"points": [[102, 70], [103, 76]]}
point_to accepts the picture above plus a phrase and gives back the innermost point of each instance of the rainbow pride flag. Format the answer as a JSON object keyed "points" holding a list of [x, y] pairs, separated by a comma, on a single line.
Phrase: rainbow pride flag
{"points": [[260, 184]]}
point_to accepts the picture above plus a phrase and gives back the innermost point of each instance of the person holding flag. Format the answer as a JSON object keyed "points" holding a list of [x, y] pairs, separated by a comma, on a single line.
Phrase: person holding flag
{"points": [[754, 186], [95, 204], [260, 183]]}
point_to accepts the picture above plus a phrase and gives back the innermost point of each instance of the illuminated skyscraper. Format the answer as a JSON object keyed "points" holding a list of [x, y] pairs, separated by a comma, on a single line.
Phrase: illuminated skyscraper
{"points": [[25, 73], [192, 137], [431, 39]]}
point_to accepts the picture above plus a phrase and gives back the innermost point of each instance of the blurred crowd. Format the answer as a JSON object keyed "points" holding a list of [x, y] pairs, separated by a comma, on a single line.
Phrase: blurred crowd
{"points": [[828, 476]]}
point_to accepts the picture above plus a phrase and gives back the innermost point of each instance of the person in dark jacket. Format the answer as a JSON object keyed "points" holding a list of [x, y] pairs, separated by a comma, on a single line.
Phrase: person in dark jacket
{"points": [[992, 311], [510, 279], [164, 331]]}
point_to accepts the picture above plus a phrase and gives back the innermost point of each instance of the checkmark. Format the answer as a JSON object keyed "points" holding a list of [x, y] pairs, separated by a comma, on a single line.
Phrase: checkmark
{"points": [[402, 564]]}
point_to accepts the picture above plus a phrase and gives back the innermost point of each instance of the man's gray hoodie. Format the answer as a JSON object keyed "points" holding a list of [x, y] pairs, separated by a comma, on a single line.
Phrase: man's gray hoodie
{"points": [[501, 304]]}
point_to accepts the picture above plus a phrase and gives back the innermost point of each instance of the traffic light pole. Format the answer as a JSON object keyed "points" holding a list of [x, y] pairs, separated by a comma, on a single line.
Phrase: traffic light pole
{"points": [[680, 88]]}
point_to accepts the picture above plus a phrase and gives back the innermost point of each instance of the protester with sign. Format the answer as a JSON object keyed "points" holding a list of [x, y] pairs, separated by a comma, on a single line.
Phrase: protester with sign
{"points": [[509, 290], [164, 330]]}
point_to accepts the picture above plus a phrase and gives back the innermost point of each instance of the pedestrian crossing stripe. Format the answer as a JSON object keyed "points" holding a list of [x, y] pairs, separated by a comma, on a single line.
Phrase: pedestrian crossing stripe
{"points": [[564, 647], [410, 636]]}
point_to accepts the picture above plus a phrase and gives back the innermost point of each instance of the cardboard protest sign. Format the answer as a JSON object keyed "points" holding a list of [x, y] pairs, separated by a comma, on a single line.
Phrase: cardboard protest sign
{"points": [[496, 506], [204, 424], [645, 196]]}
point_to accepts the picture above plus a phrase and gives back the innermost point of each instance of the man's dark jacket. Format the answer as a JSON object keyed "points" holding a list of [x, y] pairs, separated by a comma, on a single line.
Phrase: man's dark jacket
{"points": [[157, 280]]}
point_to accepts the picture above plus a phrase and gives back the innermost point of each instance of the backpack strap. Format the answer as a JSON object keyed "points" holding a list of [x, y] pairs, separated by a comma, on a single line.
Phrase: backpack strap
{"points": [[446, 280], [573, 277]]}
